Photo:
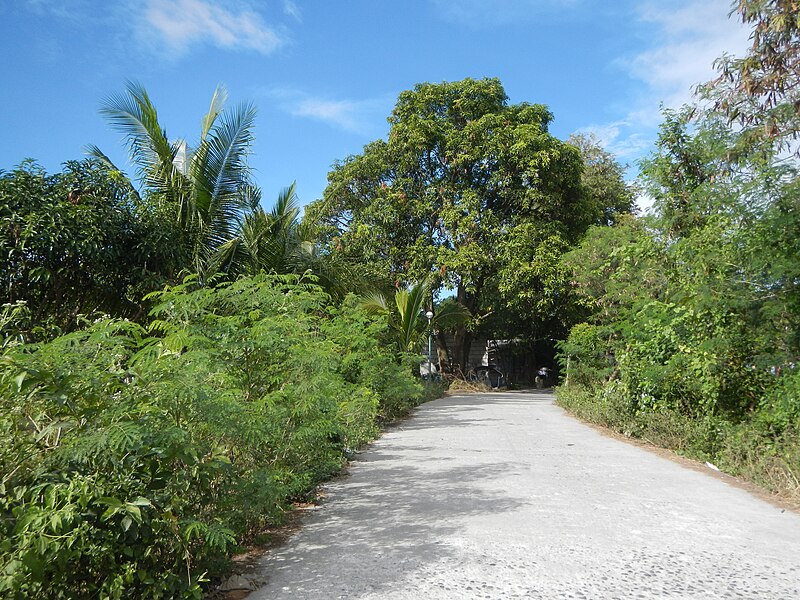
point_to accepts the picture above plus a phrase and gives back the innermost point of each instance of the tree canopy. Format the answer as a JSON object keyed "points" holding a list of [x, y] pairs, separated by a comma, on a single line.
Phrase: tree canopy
{"points": [[79, 242], [467, 189], [761, 90]]}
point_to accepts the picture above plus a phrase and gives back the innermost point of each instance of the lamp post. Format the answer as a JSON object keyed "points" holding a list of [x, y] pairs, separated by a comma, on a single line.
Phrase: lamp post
{"points": [[429, 314]]}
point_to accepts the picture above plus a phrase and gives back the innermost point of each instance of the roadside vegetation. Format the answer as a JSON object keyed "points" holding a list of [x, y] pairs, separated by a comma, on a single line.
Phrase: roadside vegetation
{"points": [[692, 332], [178, 365], [134, 457]]}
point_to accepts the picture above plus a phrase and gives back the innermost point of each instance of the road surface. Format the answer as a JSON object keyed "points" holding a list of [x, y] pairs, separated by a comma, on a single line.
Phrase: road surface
{"points": [[503, 495]]}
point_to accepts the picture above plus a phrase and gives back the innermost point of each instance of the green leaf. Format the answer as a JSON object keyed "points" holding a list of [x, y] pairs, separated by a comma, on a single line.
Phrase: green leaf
{"points": [[110, 501], [19, 380], [127, 521], [134, 511]]}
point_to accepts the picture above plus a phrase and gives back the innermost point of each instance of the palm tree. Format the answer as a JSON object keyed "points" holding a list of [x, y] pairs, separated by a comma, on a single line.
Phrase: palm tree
{"points": [[409, 323], [270, 241], [214, 201], [278, 241], [209, 187]]}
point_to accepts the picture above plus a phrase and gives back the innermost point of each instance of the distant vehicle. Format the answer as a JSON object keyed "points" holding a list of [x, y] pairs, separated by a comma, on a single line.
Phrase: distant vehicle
{"points": [[543, 377]]}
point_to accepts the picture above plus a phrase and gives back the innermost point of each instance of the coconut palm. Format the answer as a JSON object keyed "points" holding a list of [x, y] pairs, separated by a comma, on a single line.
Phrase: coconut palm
{"points": [[409, 322], [209, 186], [266, 241], [279, 242]]}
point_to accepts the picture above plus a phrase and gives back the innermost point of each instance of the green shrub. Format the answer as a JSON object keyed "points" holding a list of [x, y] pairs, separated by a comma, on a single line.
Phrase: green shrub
{"points": [[780, 408], [135, 458]]}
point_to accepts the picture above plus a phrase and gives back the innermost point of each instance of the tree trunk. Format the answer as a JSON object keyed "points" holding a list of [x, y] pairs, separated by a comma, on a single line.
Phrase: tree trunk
{"points": [[443, 352], [462, 338]]}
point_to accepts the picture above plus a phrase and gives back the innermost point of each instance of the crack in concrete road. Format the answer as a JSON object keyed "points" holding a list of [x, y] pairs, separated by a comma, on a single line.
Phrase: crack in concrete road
{"points": [[503, 495]]}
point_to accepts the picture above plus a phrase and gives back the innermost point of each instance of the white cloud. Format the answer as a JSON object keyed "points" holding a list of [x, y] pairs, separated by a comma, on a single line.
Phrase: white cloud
{"points": [[687, 37], [291, 9], [619, 138], [178, 24], [338, 112], [183, 23], [356, 116], [75, 11], [691, 38]]}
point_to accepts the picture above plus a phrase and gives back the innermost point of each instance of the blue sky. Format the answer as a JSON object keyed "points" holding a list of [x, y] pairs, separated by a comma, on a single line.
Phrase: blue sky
{"points": [[324, 75]]}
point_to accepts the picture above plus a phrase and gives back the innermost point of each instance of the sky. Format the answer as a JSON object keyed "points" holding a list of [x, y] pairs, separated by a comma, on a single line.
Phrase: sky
{"points": [[324, 75]]}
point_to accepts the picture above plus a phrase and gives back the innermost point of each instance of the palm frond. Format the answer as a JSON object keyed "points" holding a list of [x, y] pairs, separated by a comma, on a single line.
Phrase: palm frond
{"points": [[409, 305], [251, 195], [134, 115], [98, 154], [287, 206], [254, 226], [224, 258], [95, 152], [229, 148], [220, 175], [450, 314], [375, 303], [217, 104]]}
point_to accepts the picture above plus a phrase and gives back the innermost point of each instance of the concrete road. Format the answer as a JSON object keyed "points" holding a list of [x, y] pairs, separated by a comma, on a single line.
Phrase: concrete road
{"points": [[505, 496]]}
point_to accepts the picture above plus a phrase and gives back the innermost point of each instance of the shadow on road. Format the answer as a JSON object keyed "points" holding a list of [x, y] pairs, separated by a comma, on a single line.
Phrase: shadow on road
{"points": [[389, 515]]}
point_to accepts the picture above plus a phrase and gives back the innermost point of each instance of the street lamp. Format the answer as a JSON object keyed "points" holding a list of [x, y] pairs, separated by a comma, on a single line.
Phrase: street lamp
{"points": [[429, 314]]}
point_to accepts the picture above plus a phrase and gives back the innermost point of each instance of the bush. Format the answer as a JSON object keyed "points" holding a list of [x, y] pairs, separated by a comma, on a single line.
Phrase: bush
{"points": [[135, 458]]}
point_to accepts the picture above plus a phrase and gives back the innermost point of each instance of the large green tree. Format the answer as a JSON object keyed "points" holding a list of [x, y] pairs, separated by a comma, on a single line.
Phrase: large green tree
{"points": [[78, 243], [462, 176]]}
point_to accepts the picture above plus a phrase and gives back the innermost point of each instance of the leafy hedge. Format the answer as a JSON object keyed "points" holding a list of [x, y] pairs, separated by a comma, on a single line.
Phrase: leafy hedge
{"points": [[134, 458], [691, 336]]}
